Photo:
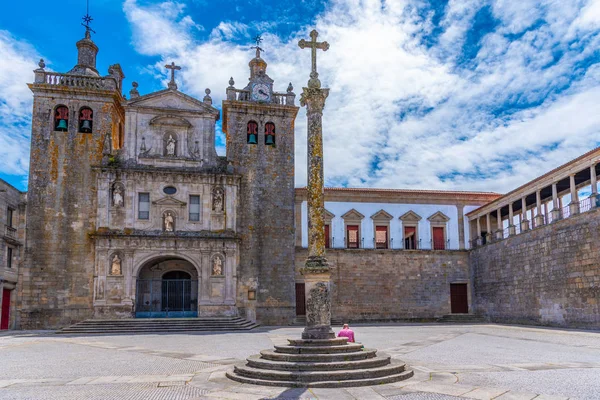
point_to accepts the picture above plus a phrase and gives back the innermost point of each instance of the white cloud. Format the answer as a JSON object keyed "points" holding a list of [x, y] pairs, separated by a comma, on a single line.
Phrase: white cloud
{"points": [[413, 111], [16, 67]]}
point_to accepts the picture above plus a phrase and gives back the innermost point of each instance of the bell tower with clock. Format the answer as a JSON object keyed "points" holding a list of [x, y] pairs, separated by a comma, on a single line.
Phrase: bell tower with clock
{"points": [[259, 126]]}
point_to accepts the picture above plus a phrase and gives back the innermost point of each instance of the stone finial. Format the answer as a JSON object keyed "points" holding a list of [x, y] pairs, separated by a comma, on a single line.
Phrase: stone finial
{"points": [[42, 64], [133, 93], [207, 99], [290, 88], [231, 82], [143, 146]]}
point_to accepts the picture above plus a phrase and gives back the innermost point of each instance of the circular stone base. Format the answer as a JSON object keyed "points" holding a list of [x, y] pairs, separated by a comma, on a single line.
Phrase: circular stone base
{"points": [[325, 363]]}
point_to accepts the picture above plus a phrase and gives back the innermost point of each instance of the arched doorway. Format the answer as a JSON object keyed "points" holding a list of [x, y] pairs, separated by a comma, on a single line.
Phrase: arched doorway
{"points": [[167, 287]]}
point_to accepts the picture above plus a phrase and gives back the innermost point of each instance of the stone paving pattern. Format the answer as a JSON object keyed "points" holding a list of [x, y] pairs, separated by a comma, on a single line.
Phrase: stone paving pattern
{"points": [[450, 362]]}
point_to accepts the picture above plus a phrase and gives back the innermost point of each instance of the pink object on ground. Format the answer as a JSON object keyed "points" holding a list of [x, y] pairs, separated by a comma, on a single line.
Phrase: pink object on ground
{"points": [[347, 333]]}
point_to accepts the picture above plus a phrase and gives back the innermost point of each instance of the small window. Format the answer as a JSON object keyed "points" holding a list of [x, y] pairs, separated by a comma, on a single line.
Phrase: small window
{"points": [[61, 119], [144, 206], [410, 237], [270, 134], [252, 132], [170, 190], [352, 236], [9, 217], [381, 237], [327, 236], [86, 120], [9, 257], [194, 208]]}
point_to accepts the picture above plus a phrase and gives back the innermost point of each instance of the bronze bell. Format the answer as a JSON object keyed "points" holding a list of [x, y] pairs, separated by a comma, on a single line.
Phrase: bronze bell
{"points": [[86, 126], [269, 140], [62, 125], [252, 139]]}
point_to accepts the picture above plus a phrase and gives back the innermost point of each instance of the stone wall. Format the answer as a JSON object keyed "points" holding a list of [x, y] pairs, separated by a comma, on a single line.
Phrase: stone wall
{"points": [[391, 284], [547, 276]]}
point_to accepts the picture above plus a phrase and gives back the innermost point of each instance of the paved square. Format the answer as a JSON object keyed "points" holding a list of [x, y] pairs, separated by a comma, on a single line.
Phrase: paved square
{"points": [[450, 362]]}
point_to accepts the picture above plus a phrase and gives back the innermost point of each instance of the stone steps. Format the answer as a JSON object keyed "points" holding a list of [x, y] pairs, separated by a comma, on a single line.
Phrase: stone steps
{"points": [[319, 363], [462, 318], [286, 357], [139, 326]]}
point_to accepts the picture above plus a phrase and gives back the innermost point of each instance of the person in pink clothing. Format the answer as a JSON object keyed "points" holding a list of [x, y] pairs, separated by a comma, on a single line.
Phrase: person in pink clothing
{"points": [[347, 332]]}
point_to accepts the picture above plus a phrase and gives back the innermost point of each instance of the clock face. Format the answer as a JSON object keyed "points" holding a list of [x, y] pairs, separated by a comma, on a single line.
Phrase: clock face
{"points": [[261, 92]]}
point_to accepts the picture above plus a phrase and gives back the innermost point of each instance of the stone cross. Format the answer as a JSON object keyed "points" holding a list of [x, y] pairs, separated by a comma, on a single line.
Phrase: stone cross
{"points": [[314, 45], [316, 270], [172, 67]]}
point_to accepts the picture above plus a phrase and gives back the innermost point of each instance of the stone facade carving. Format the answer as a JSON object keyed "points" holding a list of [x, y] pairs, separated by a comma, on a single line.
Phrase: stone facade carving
{"points": [[169, 221], [217, 268], [170, 146], [218, 199], [118, 194], [115, 265]]}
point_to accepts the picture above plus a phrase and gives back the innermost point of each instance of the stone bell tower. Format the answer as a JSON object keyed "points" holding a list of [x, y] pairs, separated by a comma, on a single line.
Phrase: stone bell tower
{"points": [[76, 123], [259, 125]]}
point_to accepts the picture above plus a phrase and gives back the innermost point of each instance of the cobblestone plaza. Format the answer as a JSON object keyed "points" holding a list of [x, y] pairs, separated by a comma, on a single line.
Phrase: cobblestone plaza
{"points": [[450, 362]]}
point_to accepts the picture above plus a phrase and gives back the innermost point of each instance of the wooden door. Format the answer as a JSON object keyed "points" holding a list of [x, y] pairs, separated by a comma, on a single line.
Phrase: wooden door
{"points": [[459, 301], [327, 236], [5, 314], [438, 238], [300, 299]]}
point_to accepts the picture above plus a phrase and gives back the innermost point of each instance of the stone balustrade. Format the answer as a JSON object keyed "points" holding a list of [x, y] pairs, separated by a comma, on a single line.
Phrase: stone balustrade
{"points": [[76, 81], [10, 232], [287, 99], [539, 202]]}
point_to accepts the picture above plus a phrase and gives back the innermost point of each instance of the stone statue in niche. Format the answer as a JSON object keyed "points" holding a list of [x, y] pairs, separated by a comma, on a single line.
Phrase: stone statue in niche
{"points": [[117, 196], [171, 145], [217, 266], [115, 266], [169, 222], [218, 199]]}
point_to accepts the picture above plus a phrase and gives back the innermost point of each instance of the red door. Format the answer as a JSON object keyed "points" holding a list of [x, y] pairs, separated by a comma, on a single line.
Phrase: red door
{"points": [[327, 233], [4, 316], [459, 302], [438, 239], [300, 299]]}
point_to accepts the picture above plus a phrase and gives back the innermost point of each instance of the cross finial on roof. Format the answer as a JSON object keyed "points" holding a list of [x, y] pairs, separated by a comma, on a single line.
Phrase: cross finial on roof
{"points": [[257, 39], [172, 67], [87, 18], [314, 45]]}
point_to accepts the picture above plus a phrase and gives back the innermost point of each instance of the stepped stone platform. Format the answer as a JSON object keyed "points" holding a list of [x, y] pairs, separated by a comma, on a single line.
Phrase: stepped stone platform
{"points": [[324, 363], [462, 319], [159, 325]]}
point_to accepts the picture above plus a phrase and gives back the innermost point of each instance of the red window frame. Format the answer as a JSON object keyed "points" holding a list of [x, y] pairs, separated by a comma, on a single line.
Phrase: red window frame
{"points": [[378, 243], [439, 242], [410, 237], [352, 244]]}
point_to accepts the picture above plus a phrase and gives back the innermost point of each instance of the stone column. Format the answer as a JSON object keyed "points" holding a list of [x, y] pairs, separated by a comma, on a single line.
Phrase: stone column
{"points": [[574, 204], [511, 220], [461, 226], [524, 221], [500, 231], [317, 276], [594, 184], [539, 218], [478, 237], [556, 211], [488, 225]]}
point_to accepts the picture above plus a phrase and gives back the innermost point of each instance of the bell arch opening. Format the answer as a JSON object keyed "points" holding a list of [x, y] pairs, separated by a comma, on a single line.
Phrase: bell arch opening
{"points": [[167, 287]]}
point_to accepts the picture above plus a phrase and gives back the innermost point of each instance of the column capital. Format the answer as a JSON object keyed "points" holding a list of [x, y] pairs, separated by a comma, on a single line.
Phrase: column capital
{"points": [[313, 99]]}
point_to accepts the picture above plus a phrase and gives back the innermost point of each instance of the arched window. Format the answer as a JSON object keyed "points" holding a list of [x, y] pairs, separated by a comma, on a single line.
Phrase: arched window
{"points": [[61, 119], [270, 134], [86, 120], [252, 132]]}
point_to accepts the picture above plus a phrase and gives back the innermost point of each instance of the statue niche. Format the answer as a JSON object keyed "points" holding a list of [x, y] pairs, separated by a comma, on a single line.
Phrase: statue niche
{"points": [[218, 199], [217, 266], [170, 145], [169, 221], [118, 195], [115, 265]]}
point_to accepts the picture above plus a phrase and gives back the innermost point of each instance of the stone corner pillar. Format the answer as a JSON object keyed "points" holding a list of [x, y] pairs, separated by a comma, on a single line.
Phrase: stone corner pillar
{"points": [[574, 208], [539, 220], [512, 231], [524, 225]]}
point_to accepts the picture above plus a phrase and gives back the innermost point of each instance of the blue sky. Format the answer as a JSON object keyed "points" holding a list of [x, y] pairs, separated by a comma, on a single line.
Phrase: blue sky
{"points": [[468, 95]]}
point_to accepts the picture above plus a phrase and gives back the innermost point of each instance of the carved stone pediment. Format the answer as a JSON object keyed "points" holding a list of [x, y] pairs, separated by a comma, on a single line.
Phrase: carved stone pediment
{"points": [[169, 201], [410, 216], [353, 215], [172, 100], [327, 216], [438, 217], [381, 215]]}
